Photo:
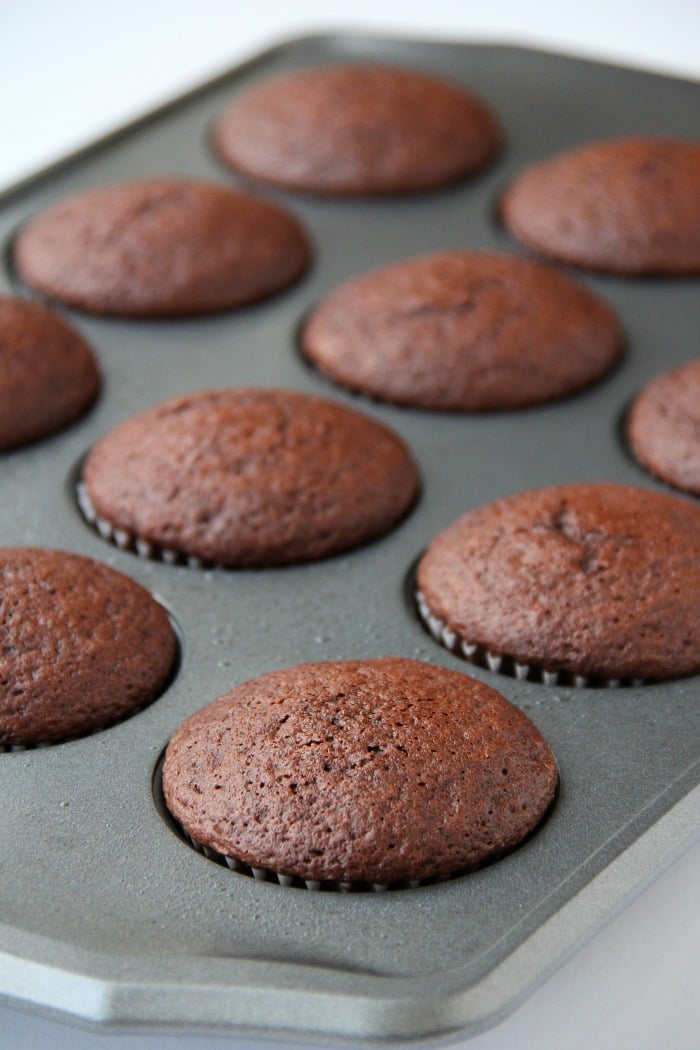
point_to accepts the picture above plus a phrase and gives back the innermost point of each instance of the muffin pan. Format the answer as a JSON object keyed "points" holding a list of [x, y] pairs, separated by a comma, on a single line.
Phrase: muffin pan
{"points": [[107, 915]]}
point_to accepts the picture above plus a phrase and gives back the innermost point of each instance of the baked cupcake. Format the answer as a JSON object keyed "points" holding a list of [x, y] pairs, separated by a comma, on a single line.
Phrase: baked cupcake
{"points": [[247, 477], [463, 331], [629, 206], [160, 247], [48, 373], [83, 646], [356, 129], [588, 584], [663, 427], [359, 772]]}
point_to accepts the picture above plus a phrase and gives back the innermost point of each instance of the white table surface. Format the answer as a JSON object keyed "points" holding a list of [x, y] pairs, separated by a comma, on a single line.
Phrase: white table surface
{"points": [[72, 70]]}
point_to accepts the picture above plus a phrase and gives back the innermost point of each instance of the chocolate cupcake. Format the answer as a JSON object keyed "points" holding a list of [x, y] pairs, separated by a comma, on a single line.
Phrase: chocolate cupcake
{"points": [[663, 427], [247, 477], [160, 248], [628, 206], [584, 584], [463, 331], [359, 772], [356, 129], [48, 373], [82, 647]]}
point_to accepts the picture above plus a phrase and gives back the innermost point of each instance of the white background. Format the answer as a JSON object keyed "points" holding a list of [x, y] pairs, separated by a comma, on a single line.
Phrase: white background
{"points": [[72, 70]]}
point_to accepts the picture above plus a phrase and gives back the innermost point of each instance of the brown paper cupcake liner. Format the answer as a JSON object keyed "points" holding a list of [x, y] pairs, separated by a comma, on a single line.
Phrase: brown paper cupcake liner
{"points": [[128, 541], [261, 874], [7, 749], [296, 881], [502, 663]]}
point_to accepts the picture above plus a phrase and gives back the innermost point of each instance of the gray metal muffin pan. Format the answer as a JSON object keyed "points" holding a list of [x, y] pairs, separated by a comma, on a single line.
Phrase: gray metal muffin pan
{"points": [[106, 915]]}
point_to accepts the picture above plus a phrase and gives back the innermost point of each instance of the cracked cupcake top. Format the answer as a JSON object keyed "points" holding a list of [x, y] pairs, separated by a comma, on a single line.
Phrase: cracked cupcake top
{"points": [[160, 247], [359, 771], [251, 477], [464, 331], [600, 580]]}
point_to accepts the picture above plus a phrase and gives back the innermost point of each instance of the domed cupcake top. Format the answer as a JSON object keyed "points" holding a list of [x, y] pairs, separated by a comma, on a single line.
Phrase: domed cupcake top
{"points": [[628, 205], [48, 373], [251, 477], [161, 247], [83, 646], [596, 580], [355, 130], [464, 331], [361, 771]]}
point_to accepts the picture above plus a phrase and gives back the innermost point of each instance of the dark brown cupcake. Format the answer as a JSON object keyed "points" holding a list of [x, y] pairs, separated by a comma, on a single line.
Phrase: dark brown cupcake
{"points": [[82, 646], [356, 129], [48, 373], [592, 581], [160, 247], [663, 427], [248, 477], [625, 205], [463, 331], [373, 771]]}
